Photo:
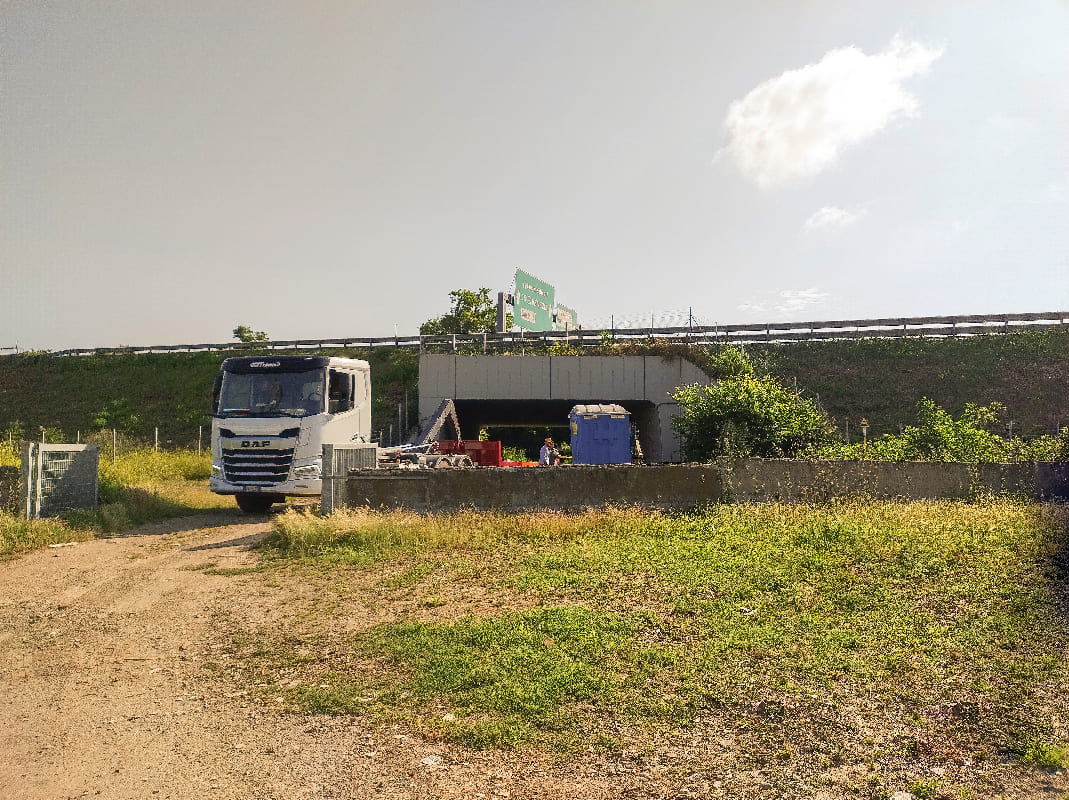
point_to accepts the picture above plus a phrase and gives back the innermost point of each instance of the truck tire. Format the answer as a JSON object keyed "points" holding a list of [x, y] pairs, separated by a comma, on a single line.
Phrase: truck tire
{"points": [[254, 503], [465, 462]]}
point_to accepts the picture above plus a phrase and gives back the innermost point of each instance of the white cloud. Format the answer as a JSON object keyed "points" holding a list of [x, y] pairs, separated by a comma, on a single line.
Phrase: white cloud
{"points": [[797, 124], [787, 301], [797, 300], [830, 218], [752, 308]]}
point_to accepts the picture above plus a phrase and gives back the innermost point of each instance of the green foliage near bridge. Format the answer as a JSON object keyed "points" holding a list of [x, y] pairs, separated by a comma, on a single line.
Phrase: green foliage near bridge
{"points": [[471, 311], [746, 414], [881, 380]]}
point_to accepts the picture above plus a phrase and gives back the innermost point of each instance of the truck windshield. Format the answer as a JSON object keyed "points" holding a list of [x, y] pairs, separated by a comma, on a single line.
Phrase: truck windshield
{"points": [[272, 394]]}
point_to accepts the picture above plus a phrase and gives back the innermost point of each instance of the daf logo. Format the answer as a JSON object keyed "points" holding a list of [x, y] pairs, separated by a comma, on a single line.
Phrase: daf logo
{"points": [[255, 443]]}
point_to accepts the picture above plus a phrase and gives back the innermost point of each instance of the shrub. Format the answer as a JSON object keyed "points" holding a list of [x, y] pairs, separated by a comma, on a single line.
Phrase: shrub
{"points": [[746, 415]]}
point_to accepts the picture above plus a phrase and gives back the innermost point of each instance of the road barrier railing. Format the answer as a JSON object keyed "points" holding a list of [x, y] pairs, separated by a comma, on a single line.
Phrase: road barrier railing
{"points": [[962, 325]]}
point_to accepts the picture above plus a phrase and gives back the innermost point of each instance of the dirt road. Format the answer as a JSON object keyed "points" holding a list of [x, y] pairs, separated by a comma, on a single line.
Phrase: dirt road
{"points": [[104, 691]]}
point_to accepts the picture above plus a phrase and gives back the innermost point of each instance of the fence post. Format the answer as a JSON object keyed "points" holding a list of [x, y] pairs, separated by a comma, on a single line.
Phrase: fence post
{"points": [[38, 474], [28, 449], [114, 445]]}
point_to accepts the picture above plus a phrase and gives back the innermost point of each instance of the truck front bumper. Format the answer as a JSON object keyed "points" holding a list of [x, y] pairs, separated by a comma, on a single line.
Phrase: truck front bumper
{"points": [[304, 487]]}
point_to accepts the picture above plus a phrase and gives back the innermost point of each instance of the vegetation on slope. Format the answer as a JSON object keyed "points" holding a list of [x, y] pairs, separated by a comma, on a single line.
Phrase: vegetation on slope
{"points": [[887, 638], [881, 380], [88, 396]]}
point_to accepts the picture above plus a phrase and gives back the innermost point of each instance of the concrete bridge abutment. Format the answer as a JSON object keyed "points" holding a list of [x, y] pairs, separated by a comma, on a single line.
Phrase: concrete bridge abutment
{"points": [[540, 390]]}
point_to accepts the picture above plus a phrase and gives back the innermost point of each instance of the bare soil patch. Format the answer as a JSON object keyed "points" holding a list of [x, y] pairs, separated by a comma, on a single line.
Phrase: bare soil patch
{"points": [[104, 691]]}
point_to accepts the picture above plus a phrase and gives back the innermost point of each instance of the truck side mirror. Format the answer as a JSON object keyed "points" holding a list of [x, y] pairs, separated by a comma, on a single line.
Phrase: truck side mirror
{"points": [[215, 394]]}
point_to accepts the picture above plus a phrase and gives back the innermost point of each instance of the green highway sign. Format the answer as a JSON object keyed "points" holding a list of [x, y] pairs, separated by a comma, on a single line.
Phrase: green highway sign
{"points": [[565, 319], [533, 303]]}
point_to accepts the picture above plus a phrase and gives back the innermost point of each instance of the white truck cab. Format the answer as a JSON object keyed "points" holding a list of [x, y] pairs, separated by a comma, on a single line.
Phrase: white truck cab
{"points": [[271, 417]]}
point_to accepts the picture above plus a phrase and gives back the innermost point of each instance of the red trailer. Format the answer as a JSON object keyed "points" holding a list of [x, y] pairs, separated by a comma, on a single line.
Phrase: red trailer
{"points": [[483, 454]]}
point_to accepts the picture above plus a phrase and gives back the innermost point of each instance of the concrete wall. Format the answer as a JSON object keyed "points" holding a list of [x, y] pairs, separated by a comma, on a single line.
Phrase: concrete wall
{"points": [[683, 486], [771, 479], [569, 379]]}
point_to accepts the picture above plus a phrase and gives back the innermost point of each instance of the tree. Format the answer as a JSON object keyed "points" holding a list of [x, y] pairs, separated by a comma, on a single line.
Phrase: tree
{"points": [[246, 334], [744, 415], [472, 312]]}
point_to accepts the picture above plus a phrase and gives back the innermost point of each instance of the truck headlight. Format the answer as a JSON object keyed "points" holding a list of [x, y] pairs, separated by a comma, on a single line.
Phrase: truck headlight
{"points": [[307, 471], [217, 469]]}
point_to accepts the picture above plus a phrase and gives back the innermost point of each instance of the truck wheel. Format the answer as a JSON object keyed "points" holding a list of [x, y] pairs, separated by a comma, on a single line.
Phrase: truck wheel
{"points": [[443, 463], [465, 462], [254, 503]]}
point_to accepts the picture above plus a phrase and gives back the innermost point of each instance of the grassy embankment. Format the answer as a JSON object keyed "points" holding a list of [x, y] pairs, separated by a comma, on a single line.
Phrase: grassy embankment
{"points": [[879, 379], [138, 487], [889, 635], [884, 379], [86, 397]]}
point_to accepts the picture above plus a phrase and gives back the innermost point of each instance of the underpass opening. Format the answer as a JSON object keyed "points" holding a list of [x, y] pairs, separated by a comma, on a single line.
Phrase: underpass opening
{"points": [[525, 423]]}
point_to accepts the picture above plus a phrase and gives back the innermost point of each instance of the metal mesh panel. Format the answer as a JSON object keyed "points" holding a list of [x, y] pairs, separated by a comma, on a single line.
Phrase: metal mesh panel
{"points": [[337, 461], [59, 477]]}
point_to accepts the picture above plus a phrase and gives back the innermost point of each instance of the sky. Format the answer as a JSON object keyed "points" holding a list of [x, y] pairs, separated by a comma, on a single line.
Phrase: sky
{"points": [[171, 170]]}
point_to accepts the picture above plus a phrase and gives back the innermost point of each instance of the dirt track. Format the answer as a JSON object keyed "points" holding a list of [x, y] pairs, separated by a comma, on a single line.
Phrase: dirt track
{"points": [[103, 691]]}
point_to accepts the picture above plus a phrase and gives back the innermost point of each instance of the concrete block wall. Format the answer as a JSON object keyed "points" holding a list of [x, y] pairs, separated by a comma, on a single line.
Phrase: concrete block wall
{"points": [[685, 486], [338, 462]]}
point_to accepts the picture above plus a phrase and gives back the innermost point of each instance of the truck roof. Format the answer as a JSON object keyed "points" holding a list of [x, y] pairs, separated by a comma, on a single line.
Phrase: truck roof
{"points": [[251, 364]]}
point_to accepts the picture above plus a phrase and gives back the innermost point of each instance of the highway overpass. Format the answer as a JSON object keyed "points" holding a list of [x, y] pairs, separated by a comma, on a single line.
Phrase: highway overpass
{"points": [[490, 391]]}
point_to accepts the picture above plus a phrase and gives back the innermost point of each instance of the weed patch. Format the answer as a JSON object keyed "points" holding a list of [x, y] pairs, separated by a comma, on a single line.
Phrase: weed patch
{"points": [[944, 621], [138, 487], [19, 535]]}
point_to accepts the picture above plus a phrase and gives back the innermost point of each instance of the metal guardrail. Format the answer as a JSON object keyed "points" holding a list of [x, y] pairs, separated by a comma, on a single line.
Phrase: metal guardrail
{"points": [[968, 325]]}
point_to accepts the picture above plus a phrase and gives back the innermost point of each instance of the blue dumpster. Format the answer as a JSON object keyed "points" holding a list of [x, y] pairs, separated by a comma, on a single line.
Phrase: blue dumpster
{"points": [[601, 434]]}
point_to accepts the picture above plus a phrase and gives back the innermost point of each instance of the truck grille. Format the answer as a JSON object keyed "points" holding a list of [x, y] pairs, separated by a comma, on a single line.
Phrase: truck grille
{"points": [[260, 468]]}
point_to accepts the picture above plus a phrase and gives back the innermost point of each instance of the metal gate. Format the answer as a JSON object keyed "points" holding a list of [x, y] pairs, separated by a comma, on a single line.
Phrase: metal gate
{"points": [[58, 477]]}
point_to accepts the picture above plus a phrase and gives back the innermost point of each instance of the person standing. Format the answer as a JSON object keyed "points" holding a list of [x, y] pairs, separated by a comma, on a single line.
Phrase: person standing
{"points": [[548, 456]]}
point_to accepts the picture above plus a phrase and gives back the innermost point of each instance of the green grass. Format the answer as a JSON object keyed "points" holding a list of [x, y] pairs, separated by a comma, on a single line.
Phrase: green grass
{"points": [[136, 488], [1046, 754], [624, 626], [18, 535], [1025, 371], [475, 663]]}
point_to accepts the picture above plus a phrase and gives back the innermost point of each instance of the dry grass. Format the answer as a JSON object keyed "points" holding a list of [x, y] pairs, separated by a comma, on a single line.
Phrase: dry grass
{"points": [[893, 637]]}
